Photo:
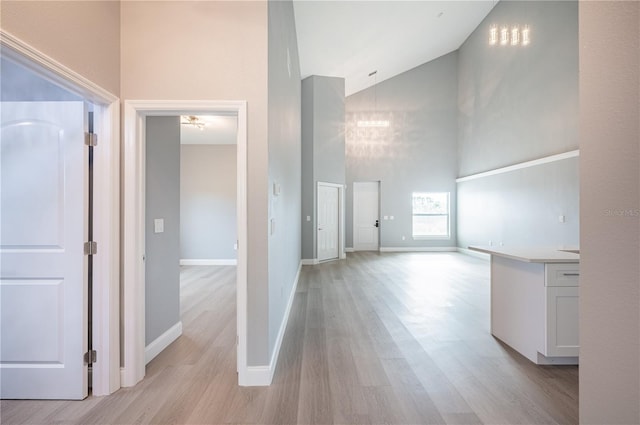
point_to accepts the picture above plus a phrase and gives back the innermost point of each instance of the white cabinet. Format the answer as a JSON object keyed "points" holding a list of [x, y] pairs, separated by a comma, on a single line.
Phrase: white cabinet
{"points": [[562, 310], [535, 304]]}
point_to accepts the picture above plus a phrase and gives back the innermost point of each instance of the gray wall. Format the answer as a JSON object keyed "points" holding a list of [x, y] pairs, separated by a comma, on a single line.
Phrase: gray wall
{"points": [[162, 252], [521, 207], [208, 202], [518, 104], [284, 168], [416, 153], [323, 147], [610, 210]]}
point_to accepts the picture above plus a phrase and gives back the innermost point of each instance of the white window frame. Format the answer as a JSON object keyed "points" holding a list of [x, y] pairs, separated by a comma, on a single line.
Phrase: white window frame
{"points": [[448, 215]]}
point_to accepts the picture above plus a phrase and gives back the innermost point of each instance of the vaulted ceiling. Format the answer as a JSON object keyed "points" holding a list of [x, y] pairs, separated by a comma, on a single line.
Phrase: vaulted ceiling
{"points": [[351, 38]]}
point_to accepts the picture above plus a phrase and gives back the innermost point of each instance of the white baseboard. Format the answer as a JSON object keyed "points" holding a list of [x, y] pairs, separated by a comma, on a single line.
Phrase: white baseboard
{"points": [[209, 262], [348, 249], [419, 249], [162, 342], [309, 261], [260, 376], [476, 254]]}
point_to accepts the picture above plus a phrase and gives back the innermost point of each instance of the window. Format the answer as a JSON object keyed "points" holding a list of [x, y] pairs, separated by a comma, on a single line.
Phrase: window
{"points": [[430, 215]]}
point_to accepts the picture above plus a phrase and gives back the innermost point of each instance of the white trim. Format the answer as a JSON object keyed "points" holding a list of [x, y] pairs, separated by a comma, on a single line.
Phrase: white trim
{"points": [[135, 112], [480, 255], [309, 261], [526, 164], [163, 341], [212, 262], [106, 267], [349, 249], [418, 249], [258, 376], [57, 73], [261, 376]]}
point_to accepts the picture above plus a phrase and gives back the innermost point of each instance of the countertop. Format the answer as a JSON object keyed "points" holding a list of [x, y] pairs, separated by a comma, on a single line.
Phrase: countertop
{"points": [[531, 254]]}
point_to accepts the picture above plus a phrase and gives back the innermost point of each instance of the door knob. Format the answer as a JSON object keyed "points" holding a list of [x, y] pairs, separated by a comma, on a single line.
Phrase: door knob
{"points": [[377, 223]]}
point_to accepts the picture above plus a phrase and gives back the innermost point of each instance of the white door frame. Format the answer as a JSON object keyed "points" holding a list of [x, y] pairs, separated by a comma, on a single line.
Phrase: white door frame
{"points": [[341, 252], [106, 219], [135, 113]]}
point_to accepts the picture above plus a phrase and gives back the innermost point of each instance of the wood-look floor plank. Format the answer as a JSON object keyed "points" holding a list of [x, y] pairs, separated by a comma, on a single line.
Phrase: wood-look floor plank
{"points": [[398, 338]]}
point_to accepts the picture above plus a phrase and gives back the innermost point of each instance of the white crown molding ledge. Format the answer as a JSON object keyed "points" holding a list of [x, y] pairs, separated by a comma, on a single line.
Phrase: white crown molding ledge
{"points": [[526, 164]]}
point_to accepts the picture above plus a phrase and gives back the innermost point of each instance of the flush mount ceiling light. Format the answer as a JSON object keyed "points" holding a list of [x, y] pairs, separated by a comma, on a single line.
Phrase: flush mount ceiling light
{"points": [[193, 121], [374, 123], [505, 36]]}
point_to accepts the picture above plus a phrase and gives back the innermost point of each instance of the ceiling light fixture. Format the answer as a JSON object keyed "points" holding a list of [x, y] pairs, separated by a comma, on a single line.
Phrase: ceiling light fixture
{"points": [[193, 121], [375, 122]]}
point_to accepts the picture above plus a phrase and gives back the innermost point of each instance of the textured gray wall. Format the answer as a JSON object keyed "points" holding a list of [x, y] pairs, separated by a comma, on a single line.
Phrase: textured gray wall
{"points": [[308, 191], [521, 207], [323, 147], [518, 104], [416, 153], [208, 202], [162, 250], [284, 165]]}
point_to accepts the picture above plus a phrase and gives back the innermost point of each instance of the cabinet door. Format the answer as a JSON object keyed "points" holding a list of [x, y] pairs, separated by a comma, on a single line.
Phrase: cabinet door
{"points": [[563, 329]]}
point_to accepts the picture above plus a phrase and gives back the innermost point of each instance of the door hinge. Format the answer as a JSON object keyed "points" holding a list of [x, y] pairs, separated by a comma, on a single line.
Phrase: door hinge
{"points": [[91, 139], [90, 248], [90, 357]]}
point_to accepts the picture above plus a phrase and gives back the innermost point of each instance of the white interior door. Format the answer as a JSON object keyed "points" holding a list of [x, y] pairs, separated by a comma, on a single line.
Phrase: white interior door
{"points": [[328, 222], [43, 269], [365, 216]]}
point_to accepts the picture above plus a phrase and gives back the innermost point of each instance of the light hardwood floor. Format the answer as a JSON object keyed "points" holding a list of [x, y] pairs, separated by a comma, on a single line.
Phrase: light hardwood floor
{"points": [[377, 338]]}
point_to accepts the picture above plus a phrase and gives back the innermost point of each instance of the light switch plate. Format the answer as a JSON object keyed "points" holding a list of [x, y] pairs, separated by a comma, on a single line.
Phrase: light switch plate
{"points": [[158, 225]]}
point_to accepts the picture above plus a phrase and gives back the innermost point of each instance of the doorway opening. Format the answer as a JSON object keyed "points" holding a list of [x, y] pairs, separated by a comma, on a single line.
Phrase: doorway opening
{"points": [[136, 113], [191, 227]]}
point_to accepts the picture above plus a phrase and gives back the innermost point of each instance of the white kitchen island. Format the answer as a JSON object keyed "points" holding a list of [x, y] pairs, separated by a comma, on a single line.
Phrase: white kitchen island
{"points": [[535, 302]]}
